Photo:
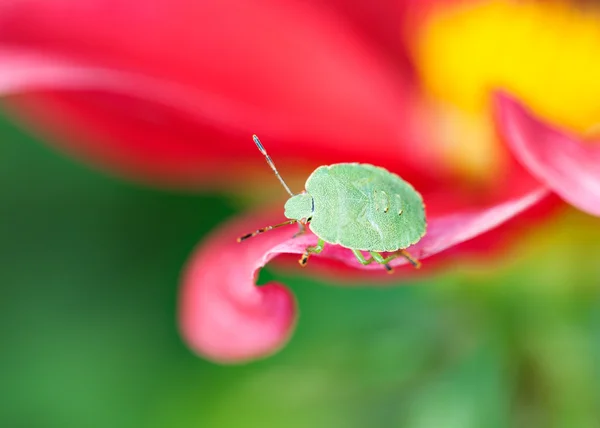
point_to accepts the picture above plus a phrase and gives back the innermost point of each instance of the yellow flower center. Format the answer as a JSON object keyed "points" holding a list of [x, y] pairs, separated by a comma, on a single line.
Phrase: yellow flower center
{"points": [[546, 53]]}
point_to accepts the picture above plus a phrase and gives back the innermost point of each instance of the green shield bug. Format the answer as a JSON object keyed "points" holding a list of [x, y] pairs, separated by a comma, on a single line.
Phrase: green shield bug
{"points": [[357, 206]]}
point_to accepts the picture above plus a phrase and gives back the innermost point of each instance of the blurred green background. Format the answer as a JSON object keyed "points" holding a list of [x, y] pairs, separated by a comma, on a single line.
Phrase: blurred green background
{"points": [[89, 284]]}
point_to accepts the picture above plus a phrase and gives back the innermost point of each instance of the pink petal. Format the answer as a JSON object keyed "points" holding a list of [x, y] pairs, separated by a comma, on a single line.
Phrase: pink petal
{"points": [[564, 162], [226, 318], [317, 91], [452, 229], [223, 315]]}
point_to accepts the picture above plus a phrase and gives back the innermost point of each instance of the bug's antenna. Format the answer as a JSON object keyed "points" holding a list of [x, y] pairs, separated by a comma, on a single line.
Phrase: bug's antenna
{"points": [[270, 162]]}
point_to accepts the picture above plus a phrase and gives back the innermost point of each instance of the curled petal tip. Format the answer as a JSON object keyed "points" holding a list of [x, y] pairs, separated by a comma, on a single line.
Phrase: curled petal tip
{"points": [[223, 315]]}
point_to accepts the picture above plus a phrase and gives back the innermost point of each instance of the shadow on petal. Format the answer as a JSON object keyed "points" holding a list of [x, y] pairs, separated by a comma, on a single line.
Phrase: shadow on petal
{"points": [[565, 163]]}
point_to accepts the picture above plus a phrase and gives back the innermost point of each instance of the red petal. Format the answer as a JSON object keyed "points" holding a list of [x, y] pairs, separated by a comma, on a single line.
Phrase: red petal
{"points": [[23, 71], [184, 161], [225, 317], [564, 162], [317, 89], [378, 21], [418, 11]]}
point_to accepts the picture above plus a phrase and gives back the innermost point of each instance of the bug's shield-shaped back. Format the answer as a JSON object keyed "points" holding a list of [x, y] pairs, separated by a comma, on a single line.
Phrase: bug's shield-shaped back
{"points": [[365, 207]]}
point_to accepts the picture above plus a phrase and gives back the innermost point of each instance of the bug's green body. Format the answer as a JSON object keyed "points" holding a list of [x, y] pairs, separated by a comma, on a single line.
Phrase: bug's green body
{"points": [[358, 206], [361, 207]]}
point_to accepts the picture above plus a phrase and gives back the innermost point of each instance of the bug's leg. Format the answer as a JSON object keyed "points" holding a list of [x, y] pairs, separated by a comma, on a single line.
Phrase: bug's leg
{"points": [[401, 253], [410, 258], [301, 231], [265, 229], [311, 250], [382, 261], [376, 257], [361, 259]]}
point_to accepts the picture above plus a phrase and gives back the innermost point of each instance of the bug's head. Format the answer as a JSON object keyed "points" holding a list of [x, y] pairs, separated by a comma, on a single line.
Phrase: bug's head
{"points": [[299, 207]]}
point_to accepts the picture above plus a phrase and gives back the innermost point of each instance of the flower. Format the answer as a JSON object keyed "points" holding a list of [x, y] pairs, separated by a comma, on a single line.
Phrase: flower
{"points": [[555, 143], [168, 93]]}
